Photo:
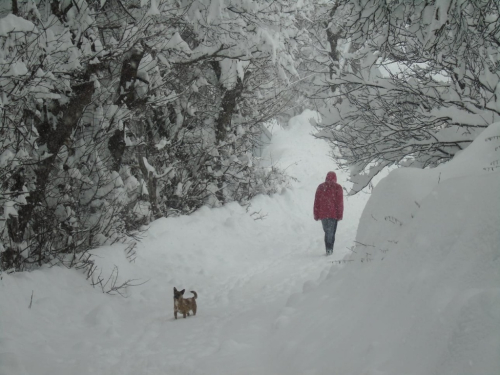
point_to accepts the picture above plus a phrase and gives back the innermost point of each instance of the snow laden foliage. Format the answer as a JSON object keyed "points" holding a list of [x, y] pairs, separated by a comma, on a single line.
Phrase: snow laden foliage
{"points": [[319, 61], [117, 112], [411, 82]]}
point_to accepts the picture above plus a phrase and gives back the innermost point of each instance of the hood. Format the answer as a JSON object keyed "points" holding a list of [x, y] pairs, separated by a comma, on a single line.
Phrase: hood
{"points": [[331, 177]]}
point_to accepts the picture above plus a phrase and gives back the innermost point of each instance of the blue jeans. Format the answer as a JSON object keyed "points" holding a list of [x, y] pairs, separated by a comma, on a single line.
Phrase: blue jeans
{"points": [[330, 227]]}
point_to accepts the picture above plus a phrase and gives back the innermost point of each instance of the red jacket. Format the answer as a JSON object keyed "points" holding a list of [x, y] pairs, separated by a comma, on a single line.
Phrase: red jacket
{"points": [[329, 199]]}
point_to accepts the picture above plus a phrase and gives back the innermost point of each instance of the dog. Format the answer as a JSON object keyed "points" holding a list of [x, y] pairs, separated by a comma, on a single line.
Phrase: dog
{"points": [[184, 305]]}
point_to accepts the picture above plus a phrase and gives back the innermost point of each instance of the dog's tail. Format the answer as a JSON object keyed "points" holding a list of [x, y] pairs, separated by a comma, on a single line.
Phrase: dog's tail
{"points": [[195, 294]]}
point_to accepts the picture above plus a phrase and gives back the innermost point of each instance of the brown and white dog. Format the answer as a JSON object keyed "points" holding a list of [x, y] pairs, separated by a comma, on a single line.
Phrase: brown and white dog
{"points": [[184, 305]]}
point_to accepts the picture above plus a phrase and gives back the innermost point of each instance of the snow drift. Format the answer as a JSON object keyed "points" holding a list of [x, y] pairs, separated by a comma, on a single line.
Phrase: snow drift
{"points": [[420, 294]]}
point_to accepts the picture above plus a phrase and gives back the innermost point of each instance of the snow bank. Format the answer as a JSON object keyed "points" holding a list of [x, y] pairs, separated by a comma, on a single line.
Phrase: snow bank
{"points": [[398, 200], [421, 293]]}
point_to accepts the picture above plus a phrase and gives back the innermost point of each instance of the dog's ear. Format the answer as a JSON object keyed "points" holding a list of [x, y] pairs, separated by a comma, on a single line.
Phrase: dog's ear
{"points": [[175, 289], [182, 291]]}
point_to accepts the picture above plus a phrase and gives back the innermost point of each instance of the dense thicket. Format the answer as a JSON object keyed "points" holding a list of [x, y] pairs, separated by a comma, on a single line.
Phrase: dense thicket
{"points": [[117, 112]]}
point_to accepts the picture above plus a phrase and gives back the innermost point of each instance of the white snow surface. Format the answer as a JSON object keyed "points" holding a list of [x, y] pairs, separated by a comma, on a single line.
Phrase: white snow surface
{"points": [[12, 23], [420, 297]]}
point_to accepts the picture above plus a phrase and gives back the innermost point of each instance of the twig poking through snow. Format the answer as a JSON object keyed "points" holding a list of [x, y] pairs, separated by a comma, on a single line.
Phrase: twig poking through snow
{"points": [[360, 243], [259, 216]]}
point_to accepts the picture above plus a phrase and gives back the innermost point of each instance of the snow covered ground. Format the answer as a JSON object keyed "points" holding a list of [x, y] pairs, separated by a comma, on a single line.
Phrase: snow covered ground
{"points": [[420, 296]]}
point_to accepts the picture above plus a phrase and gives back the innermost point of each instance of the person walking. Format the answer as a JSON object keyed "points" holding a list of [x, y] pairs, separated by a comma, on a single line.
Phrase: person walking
{"points": [[329, 208]]}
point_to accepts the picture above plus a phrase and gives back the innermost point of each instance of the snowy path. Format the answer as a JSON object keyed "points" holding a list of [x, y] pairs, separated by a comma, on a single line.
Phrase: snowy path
{"points": [[244, 271], [236, 314]]}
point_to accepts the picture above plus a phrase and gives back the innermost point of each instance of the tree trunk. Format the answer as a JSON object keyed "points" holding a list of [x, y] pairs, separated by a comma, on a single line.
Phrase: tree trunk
{"points": [[126, 95], [333, 40], [223, 121], [228, 106], [15, 8], [55, 139], [151, 181], [130, 67]]}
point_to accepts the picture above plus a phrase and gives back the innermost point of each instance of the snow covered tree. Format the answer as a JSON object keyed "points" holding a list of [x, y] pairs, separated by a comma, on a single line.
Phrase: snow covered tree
{"points": [[418, 81], [231, 76], [319, 50], [59, 195], [118, 112]]}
